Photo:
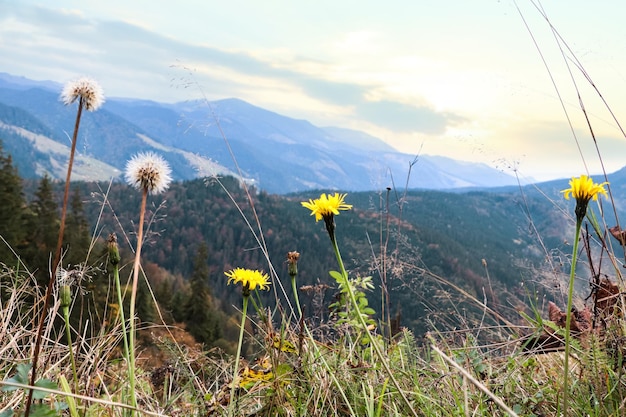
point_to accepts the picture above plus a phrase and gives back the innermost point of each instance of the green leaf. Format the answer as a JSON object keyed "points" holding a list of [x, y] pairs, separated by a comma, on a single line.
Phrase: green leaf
{"points": [[43, 383], [337, 276], [60, 406], [9, 388], [283, 369], [42, 410], [22, 372], [20, 377]]}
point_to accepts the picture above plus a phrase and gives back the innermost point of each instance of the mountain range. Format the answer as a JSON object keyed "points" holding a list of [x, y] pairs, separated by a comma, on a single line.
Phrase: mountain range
{"points": [[275, 153], [522, 233]]}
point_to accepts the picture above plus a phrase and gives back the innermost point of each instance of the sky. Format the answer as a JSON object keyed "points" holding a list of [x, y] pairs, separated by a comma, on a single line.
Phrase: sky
{"points": [[499, 82]]}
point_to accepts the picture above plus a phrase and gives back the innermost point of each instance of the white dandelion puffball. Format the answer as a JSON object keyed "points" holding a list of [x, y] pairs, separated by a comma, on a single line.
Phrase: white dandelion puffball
{"points": [[85, 88], [148, 171]]}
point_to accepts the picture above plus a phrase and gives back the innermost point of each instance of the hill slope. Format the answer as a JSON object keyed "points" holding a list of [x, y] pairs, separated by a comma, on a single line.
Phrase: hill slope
{"points": [[277, 153]]}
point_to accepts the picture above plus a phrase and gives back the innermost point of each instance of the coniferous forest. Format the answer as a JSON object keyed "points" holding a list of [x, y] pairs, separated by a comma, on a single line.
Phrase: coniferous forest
{"points": [[198, 229]]}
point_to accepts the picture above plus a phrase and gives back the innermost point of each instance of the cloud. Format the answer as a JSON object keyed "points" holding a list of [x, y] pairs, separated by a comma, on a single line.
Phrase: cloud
{"points": [[407, 118], [131, 60]]}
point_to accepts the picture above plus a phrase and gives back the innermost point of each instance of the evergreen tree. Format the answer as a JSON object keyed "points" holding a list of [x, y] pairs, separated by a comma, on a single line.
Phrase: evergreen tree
{"points": [[199, 314], [12, 209], [77, 233], [178, 305], [144, 302], [42, 226]]}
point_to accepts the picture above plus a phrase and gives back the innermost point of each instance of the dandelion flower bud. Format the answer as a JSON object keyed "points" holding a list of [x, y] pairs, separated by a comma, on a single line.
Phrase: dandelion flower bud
{"points": [[66, 296], [148, 171], [292, 263], [88, 90], [65, 280], [114, 252]]}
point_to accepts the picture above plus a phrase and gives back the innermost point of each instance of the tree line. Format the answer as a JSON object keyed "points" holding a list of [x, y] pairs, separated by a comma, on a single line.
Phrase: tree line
{"points": [[200, 228]]}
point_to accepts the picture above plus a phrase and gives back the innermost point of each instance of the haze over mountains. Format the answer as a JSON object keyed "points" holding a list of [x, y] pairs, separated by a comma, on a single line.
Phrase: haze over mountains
{"points": [[276, 153]]}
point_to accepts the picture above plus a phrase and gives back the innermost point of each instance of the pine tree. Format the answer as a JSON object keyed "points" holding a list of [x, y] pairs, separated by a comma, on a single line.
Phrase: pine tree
{"points": [[42, 226], [144, 302], [77, 233], [199, 314], [12, 209]]}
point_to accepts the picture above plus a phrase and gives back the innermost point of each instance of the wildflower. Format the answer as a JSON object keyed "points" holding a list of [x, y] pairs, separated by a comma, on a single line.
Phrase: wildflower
{"points": [[292, 269], [88, 90], [292, 263], [114, 251], [583, 189], [249, 279], [91, 97], [326, 206], [148, 171], [65, 279]]}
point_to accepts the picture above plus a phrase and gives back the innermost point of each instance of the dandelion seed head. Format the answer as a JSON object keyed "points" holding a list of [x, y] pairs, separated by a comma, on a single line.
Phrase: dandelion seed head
{"points": [[148, 171], [85, 88]]}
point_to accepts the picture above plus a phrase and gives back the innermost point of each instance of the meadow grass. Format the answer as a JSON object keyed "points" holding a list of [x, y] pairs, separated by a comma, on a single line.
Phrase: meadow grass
{"points": [[558, 363]]}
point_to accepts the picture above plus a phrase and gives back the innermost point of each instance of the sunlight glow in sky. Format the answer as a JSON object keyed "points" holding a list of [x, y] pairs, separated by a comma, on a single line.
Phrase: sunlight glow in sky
{"points": [[457, 78]]}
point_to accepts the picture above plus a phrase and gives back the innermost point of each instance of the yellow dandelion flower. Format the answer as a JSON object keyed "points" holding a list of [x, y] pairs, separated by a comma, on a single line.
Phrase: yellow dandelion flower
{"points": [[250, 279], [583, 189], [326, 207]]}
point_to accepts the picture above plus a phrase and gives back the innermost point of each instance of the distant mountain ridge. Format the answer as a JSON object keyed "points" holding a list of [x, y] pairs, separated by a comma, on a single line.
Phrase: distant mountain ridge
{"points": [[276, 153]]}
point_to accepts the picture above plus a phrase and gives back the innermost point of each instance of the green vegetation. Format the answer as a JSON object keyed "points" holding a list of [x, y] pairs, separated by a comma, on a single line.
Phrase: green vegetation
{"points": [[409, 303], [440, 309]]}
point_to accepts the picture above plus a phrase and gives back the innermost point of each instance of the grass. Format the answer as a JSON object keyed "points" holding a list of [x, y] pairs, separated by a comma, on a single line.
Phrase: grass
{"points": [[342, 368], [565, 363]]}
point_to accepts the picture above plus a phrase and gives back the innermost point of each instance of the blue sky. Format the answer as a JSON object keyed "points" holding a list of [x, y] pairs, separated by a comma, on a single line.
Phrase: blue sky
{"points": [[457, 78]]}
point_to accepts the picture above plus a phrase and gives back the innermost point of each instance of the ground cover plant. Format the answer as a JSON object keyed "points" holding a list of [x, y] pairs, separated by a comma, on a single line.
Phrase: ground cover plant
{"points": [[87, 336]]}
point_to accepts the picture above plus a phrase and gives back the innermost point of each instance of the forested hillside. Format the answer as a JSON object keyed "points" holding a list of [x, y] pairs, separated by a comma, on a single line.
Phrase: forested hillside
{"points": [[427, 247]]}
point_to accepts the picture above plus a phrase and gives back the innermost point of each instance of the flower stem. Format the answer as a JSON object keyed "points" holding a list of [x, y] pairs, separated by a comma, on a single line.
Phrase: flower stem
{"points": [[568, 320], [295, 294], [57, 259], [68, 334], [133, 301], [120, 302], [373, 341], [231, 411]]}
